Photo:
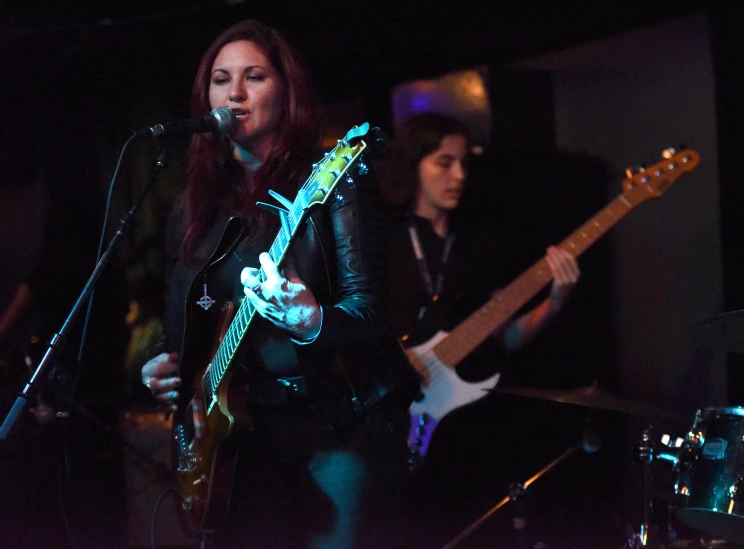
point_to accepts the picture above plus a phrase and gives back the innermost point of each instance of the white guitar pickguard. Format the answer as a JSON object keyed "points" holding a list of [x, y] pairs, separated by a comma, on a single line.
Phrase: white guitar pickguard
{"points": [[446, 391]]}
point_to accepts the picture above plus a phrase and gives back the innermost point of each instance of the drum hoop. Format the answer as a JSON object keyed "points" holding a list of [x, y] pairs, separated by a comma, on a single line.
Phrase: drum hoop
{"points": [[724, 411]]}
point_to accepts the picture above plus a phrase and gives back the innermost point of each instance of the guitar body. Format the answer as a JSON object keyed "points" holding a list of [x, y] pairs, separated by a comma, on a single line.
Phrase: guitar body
{"points": [[203, 450], [444, 393]]}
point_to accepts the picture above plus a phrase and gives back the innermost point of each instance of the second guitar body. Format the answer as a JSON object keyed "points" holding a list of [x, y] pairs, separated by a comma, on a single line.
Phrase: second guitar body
{"points": [[444, 393]]}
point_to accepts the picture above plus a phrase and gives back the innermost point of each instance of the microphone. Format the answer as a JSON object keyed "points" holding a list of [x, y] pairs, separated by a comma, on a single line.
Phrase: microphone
{"points": [[221, 121]]}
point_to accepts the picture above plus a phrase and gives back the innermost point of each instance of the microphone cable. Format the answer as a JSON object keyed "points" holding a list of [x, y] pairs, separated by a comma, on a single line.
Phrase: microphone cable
{"points": [[64, 466], [86, 321]]}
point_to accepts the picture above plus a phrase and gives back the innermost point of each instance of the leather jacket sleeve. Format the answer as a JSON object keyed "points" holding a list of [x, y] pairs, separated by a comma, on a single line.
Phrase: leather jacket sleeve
{"points": [[353, 310], [355, 354]]}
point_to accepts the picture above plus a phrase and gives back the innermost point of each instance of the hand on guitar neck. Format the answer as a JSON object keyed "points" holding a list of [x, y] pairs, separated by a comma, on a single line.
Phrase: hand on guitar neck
{"points": [[566, 273], [283, 298]]}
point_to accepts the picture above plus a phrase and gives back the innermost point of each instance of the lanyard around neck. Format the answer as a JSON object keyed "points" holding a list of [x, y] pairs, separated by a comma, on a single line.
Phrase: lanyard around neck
{"points": [[432, 290]]}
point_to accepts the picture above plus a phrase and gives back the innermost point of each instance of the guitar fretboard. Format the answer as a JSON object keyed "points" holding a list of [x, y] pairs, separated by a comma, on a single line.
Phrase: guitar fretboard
{"points": [[495, 313]]}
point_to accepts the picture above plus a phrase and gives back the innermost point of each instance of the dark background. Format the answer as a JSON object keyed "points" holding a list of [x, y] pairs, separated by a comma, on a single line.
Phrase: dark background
{"points": [[78, 77]]}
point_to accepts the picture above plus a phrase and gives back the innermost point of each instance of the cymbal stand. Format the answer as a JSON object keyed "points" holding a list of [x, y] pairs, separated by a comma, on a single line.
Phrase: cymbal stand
{"points": [[516, 491], [645, 454]]}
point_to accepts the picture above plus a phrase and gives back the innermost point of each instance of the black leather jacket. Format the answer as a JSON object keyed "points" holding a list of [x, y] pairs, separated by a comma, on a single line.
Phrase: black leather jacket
{"points": [[355, 361]]}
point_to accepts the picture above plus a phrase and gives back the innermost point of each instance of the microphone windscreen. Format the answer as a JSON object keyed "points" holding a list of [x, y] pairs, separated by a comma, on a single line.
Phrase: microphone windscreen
{"points": [[226, 120]]}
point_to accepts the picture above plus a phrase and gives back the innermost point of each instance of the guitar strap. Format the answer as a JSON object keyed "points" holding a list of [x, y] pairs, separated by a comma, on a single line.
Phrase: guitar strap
{"points": [[418, 250]]}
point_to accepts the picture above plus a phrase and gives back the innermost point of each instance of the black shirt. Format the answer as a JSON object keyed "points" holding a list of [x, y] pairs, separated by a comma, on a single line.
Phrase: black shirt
{"points": [[406, 292]]}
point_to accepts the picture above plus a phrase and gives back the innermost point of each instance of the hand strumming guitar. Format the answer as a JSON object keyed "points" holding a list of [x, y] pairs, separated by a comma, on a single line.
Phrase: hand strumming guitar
{"points": [[159, 375]]}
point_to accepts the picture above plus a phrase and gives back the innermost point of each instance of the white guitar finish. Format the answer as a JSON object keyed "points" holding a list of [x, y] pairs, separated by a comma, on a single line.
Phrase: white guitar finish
{"points": [[446, 391]]}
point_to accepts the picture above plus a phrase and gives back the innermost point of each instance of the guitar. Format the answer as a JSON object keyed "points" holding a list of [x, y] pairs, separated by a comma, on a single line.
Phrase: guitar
{"points": [[203, 450], [436, 359]]}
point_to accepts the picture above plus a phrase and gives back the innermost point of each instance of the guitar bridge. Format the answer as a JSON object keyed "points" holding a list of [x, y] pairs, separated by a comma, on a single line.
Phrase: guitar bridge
{"points": [[186, 458]]}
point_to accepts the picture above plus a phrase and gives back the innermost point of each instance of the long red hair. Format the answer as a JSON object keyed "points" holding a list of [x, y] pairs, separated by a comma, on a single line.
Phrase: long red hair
{"points": [[214, 180]]}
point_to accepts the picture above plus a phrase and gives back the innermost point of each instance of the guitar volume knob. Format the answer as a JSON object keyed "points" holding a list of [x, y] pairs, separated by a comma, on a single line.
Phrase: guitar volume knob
{"points": [[187, 504], [201, 479]]}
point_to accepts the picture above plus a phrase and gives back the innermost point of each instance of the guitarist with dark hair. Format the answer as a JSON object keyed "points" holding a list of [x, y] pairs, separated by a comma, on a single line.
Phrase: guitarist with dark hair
{"points": [[432, 284], [441, 311]]}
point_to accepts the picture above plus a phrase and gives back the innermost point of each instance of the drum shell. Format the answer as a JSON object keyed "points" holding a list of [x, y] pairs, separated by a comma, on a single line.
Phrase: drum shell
{"points": [[710, 470]]}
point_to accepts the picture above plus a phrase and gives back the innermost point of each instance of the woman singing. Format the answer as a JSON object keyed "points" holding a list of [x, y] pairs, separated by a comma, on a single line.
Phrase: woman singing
{"points": [[327, 388]]}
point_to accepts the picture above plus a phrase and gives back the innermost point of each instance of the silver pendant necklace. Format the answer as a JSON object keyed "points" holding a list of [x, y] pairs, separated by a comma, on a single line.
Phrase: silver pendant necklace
{"points": [[205, 302]]}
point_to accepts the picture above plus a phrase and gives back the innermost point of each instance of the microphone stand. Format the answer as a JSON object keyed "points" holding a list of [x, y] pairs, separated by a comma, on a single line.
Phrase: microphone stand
{"points": [[58, 340], [515, 491]]}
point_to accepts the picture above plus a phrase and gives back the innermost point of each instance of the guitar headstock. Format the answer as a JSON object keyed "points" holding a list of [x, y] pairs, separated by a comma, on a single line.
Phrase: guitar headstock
{"points": [[653, 181], [334, 165], [319, 186]]}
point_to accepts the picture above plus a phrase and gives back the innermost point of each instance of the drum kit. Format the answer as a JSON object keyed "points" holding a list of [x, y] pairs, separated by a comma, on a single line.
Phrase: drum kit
{"points": [[707, 464]]}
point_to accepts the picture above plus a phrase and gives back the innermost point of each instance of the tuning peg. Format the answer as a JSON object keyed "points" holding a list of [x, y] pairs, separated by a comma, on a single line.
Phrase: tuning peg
{"points": [[630, 172], [671, 151]]}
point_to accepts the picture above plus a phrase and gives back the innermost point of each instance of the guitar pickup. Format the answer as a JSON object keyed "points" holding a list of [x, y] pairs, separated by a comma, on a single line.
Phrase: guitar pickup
{"points": [[197, 419]]}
